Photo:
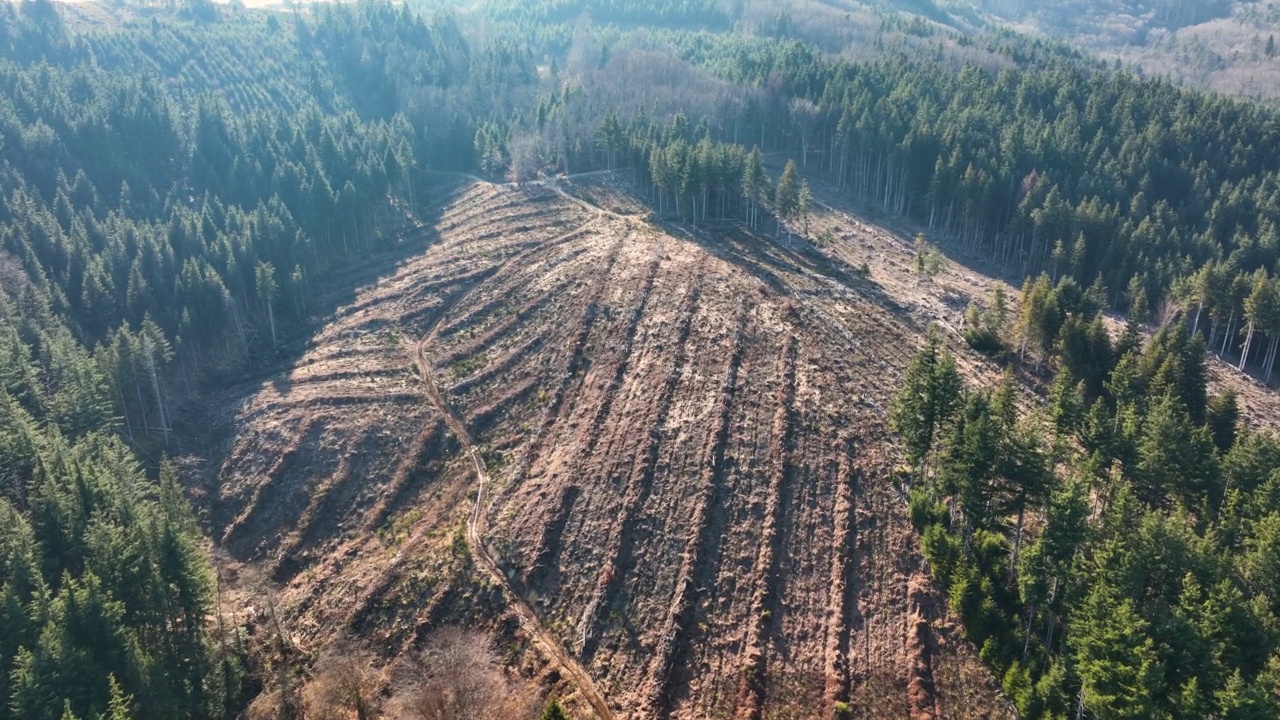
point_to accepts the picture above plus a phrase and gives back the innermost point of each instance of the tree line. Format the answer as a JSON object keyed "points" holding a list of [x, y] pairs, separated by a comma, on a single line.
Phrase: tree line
{"points": [[174, 188], [1113, 553], [1050, 164]]}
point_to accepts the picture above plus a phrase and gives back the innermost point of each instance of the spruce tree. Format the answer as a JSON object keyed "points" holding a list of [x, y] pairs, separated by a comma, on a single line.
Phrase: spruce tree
{"points": [[553, 711], [754, 185], [786, 195], [1115, 657], [930, 394], [1223, 416]]}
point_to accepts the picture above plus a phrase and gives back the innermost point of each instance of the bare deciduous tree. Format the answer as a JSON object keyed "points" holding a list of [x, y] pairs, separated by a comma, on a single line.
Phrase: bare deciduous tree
{"points": [[457, 675], [345, 683]]}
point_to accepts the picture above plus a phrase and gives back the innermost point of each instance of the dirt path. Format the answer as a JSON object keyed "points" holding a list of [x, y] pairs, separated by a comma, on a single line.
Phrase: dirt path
{"points": [[477, 522], [553, 182]]}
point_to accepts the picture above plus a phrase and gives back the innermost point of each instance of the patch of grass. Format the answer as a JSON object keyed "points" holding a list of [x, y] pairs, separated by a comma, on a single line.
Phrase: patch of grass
{"points": [[466, 366], [397, 530]]}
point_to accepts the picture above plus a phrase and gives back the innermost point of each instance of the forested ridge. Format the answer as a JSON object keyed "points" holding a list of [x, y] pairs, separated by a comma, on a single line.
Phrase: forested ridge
{"points": [[173, 185], [1158, 192]]}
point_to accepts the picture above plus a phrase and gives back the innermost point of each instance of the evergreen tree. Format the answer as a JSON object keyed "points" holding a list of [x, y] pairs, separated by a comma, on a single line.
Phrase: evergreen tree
{"points": [[118, 706], [930, 394], [754, 185], [1175, 458], [1115, 656], [1223, 417], [267, 291], [786, 196], [553, 711]]}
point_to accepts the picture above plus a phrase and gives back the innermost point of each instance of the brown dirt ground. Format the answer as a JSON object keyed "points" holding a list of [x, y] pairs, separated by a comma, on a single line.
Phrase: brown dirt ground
{"points": [[887, 245], [685, 437]]}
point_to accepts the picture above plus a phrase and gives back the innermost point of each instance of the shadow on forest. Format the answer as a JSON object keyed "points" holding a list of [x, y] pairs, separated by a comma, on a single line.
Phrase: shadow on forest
{"points": [[337, 286]]}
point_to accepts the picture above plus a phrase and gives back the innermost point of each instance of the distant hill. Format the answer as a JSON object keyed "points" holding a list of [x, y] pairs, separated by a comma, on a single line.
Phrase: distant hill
{"points": [[1223, 45]]}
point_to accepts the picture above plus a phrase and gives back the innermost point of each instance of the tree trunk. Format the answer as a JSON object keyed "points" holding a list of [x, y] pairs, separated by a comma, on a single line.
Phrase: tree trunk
{"points": [[1248, 342], [271, 322], [1026, 643], [124, 410], [1017, 539], [149, 349], [1271, 359]]}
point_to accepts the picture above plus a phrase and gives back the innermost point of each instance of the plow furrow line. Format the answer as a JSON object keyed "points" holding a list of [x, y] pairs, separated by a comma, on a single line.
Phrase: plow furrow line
{"points": [[499, 368], [841, 599], [624, 361], [754, 659], [274, 475], [549, 539], [672, 642], [577, 357], [320, 506], [641, 479], [511, 263], [407, 473], [501, 328]]}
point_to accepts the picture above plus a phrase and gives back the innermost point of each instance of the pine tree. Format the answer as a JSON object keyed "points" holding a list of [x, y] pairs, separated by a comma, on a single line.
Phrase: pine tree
{"points": [[1261, 562], [1176, 459], [1044, 568], [268, 291], [612, 136], [1222, 417], [1039, 319], [553, 711], [786, 195], [930, 394], [1115, 657], [754, 185], [967, 468], [118, 707]]}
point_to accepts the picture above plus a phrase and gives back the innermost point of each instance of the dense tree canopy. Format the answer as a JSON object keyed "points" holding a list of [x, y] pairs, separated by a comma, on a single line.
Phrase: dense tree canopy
{"points": [[1139, 590], [170, 187]]}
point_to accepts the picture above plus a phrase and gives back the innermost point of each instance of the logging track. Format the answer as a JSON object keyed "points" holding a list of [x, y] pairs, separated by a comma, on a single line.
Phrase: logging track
{"points": [[477, 520]]}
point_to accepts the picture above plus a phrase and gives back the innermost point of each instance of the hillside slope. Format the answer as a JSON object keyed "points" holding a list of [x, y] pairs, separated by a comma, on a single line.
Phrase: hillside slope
{"points": [[686, 440]]}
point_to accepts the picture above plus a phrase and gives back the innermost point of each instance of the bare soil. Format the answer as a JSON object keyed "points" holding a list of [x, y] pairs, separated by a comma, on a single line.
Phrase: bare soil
{"points": [[671, 445], [887, 245]]}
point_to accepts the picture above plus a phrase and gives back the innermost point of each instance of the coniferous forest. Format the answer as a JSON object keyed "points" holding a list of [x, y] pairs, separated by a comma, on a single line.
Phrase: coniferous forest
{"points": [[175, 182]]}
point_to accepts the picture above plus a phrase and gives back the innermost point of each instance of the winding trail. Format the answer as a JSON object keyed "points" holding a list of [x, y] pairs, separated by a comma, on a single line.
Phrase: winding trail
{"points": [[477, 520], [476, 525]]}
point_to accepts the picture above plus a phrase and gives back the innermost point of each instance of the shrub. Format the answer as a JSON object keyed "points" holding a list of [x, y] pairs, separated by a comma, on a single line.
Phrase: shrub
{"points": [[943, 552], [924, 510]]}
